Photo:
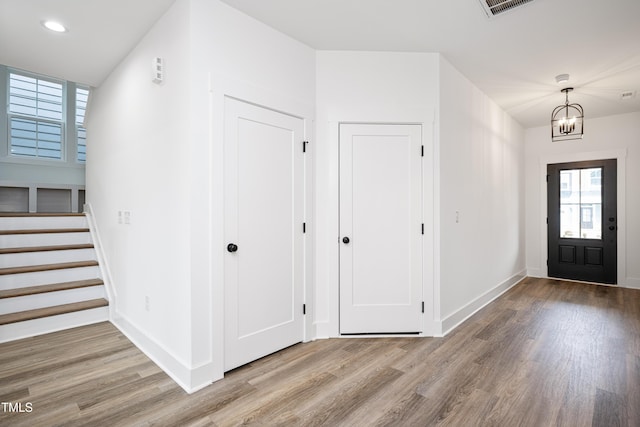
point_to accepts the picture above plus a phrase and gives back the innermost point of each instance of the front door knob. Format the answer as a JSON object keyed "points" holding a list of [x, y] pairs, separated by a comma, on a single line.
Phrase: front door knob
{"points": [[232, 247], [345, 240]]}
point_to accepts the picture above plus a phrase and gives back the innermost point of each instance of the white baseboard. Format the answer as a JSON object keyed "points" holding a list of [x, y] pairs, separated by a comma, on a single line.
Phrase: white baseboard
{"points": [[454, 320], [432, 329], [535, 272], [322, 330], [190, 379], [632, 282]]}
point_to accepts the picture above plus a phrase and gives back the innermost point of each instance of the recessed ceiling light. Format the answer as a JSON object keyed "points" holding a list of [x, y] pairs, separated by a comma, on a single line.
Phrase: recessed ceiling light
{"points": [[54, 26]]}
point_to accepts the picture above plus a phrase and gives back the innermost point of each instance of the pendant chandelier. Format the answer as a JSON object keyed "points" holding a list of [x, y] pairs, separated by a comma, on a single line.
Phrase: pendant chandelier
{"points": [[567, 120]]}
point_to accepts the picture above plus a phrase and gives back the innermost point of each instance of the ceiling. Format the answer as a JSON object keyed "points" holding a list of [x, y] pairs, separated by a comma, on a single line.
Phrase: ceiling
{"points": [[513, 57], [101, 33]]}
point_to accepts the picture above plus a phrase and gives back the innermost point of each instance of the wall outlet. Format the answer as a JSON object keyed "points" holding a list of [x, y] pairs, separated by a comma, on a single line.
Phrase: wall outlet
{"points": [[119, 217], [127, 217]]}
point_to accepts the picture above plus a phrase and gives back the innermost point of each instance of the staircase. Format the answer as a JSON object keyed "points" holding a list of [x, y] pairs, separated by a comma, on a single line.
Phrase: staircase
{"points": [[49, 275]]}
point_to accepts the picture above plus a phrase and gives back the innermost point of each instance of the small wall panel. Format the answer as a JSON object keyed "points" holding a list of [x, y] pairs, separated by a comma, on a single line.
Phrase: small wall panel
{"points": [[14, 199], [53, 200]]}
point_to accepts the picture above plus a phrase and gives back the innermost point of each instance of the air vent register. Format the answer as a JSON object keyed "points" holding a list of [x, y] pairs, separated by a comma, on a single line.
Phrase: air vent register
{"points": [[496, 7]]}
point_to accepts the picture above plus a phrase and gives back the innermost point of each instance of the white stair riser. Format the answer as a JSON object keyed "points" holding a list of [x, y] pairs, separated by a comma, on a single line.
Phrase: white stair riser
{"points": [[11, 281], [30, 223], [46, 257], [30, 328], [49, 299], [49, 239]]}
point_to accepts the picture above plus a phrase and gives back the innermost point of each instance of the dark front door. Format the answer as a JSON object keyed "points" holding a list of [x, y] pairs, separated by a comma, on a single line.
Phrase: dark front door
{"points": [[582, 221]]}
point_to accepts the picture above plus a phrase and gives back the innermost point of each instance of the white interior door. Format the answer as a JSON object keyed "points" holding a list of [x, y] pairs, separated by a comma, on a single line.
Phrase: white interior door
{"points": [[264, 203], [380, 228]]}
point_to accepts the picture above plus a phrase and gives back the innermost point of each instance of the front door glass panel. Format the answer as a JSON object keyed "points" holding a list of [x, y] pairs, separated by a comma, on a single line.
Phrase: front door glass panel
{"points": [[581, 203]]}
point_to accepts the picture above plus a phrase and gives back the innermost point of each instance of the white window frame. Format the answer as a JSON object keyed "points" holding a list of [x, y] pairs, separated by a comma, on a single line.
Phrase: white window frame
{"points": [[77, 125], [63, 129], [69, 135]]}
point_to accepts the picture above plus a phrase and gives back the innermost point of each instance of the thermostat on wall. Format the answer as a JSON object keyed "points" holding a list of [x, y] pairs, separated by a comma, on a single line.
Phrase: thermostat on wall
{"points": [[157, 70]]}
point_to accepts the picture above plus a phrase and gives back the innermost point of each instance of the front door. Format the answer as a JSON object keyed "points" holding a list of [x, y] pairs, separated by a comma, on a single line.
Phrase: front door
{"points": [[380, 228], [264, 202], [582, 221]]}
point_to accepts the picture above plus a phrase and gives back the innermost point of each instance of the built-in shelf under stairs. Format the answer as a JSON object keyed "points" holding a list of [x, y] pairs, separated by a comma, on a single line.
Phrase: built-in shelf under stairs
{"points": [[49, 275]]}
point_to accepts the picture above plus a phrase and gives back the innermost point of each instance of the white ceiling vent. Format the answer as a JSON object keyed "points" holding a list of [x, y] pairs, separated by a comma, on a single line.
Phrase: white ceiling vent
{"points": [[496, 7]]}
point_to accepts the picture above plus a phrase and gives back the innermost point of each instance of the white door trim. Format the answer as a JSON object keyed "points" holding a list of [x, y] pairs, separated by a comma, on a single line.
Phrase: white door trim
{"points": [[328, 248], [368, 304], [220, 87]]}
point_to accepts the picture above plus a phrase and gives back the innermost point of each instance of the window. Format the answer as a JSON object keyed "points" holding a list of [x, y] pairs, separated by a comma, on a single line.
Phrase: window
{"points": [[596, 178], [82, 96], [580, 204], [35, 117], [45, 118]]}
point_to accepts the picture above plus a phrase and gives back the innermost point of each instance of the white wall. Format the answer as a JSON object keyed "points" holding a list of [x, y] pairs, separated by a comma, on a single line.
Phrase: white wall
{"points": [[232, 55], [481, 193], [606, 137], [369, 87], [138, 156], [156, 151]]}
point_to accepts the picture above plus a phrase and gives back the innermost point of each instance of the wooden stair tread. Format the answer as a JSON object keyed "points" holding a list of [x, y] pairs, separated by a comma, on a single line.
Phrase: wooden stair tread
{"points": [[44, 231], [52, 311], [47, 267], [53, 287], [38, 214], [45, 248]]}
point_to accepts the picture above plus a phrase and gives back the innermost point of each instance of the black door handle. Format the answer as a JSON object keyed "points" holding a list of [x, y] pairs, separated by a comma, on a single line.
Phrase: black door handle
{"points": [[232, 247], [612, 227], [345, 240]]}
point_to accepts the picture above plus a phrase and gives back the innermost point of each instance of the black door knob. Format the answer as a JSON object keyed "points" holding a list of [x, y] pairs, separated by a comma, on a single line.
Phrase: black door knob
{"points": [[231, 247], [612, 227], [345, 240]]}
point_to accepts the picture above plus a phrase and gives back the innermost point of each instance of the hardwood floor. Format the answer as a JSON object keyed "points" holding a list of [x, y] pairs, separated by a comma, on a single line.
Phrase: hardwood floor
{"points": [[545, 353]]}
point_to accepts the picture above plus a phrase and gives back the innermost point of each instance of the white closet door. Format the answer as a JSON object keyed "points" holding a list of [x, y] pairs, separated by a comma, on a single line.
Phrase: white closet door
{"points": [[264, 202], [380, 228]]}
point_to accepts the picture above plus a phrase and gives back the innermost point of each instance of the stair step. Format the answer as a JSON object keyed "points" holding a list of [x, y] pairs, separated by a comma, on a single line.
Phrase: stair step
{"points": [[44, 248], [46, 267], [32, 290], [39, 313], [45, 231]]}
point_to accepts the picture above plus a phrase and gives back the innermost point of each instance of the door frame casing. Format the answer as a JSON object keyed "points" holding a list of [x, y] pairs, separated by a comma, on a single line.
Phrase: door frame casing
{"points": [[416, 211], [607, 272], [220, 88], [329, 251], [620, 156], [284, 212]]}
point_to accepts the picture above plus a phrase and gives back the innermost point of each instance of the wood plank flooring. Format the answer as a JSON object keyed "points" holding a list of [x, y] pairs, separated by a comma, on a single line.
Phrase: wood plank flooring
{"points": [[546, 353]]}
